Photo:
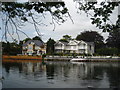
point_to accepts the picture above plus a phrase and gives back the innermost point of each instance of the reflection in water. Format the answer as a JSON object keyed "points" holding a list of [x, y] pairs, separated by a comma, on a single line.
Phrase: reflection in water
{"points": [[61, 74]]}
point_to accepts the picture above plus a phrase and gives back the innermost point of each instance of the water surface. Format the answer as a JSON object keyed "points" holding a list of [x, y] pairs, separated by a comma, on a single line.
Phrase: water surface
{"points": [[61, 74]]}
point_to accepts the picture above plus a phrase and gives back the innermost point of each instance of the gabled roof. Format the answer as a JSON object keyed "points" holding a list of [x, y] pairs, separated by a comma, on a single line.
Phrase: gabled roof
{"points": [[75, 42], [36, 42], [61, 42]]}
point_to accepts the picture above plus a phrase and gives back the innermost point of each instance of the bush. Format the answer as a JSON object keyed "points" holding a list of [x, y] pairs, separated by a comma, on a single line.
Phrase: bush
{"points": [[107, 51]]}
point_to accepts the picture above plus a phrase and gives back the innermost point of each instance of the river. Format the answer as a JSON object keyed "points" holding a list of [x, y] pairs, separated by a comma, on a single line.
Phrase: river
{"points": [[61, 74]]}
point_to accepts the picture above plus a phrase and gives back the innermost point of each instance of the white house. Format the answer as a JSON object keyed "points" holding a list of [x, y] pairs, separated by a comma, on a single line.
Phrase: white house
{"points": [[33, 47], [74, 46]]}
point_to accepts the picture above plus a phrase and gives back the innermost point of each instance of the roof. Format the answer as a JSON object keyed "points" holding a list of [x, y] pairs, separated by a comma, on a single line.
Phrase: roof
{"points": [[36, 42], [76, 41], [58, 42]]}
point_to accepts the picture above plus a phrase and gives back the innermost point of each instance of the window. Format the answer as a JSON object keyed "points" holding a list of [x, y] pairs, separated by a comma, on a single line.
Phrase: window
{"points": [[30, 47]]}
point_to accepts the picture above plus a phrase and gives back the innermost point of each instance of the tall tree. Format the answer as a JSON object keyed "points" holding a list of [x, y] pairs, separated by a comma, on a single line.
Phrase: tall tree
{"points": [[114, 39], [6, 48], [50, 46], [92, 36]]}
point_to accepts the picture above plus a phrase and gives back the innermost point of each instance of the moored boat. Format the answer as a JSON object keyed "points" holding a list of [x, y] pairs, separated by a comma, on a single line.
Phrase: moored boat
{"points": [[78, 59]]}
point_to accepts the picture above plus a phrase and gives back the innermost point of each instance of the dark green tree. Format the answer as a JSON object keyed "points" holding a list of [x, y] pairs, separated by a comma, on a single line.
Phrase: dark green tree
{"points": [[20, 46], [114, 39], [6, 48], [66, 38], [63, 40], [107, 51], [92, 36], [50, 46], [11, 48]]}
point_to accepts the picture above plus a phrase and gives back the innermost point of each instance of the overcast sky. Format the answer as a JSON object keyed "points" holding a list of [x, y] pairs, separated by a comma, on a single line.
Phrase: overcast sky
{"points": [[81, 23]]}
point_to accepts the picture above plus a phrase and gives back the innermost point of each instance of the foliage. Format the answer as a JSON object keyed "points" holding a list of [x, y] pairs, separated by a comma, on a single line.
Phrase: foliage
{"points": [[107, 51], [63, 40], [34, 38], [15, 15], [114, 39], [50, 46], [66, 38], [92, 36], [101, 13], [11, 48], [21, 13]]}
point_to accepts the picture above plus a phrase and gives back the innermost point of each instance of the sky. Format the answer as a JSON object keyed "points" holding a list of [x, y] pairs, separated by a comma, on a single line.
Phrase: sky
{"points": [[81, 23]]}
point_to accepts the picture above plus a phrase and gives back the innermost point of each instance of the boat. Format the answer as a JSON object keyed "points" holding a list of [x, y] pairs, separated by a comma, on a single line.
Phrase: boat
{"points": [[79, 63], [78, 59]]}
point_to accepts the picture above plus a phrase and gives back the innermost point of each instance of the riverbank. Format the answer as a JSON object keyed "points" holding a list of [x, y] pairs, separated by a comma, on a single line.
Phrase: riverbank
{"points": [[89, 58], [64, 58], [24, 57]]}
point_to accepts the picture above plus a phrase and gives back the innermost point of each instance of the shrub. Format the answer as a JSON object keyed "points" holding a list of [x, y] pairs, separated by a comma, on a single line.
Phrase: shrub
{"points": [[107, 51]]}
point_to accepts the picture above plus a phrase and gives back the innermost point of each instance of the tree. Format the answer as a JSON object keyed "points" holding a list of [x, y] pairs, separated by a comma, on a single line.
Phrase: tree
{"points": [[50, 46], [101, 13], [107, 51], [15, 15], [20, 46], [13, 12], [114, 39], [11, 48], [6, 48], [92, 36], [37, 38], [65, 38]]}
